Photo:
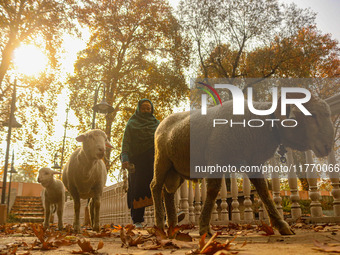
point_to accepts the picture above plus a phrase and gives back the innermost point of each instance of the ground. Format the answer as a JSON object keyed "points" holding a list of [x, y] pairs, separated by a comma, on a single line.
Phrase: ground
{"points": [[246, 239]]}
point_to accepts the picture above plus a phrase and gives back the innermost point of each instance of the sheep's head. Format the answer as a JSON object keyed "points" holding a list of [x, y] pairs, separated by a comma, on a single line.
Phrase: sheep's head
{"points": [[45, 176], [314, 132], [94, 143]]}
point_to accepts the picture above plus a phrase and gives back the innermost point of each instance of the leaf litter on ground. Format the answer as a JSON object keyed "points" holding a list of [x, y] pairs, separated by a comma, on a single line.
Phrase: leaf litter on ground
{"points": [[213, 247], [330, 248], [86, 247], [155, 238]]}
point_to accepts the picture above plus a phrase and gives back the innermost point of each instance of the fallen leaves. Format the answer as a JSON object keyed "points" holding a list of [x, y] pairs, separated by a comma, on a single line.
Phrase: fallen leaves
{"points": [[331, 248], [151, 240], [129, 238], [49, 240], [213, 247], [267, 229], [46, 239], [156, 238], [86, 247]]}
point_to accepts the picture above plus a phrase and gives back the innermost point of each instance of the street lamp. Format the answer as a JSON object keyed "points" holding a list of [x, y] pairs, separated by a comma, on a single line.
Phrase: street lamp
{"points": [[13, 171], [15, 123], [55, 163], [64, 138], [102, 107], [11, 123], [105, 108]]}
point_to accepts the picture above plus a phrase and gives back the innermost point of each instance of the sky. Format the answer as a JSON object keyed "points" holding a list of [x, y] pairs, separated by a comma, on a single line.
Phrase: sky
{"points": [[328, 18]]}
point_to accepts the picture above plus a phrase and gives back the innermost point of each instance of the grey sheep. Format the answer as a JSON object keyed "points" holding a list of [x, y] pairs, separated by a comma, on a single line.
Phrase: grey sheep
{"points": [[53, 194], [84, 175], [237, 144]]}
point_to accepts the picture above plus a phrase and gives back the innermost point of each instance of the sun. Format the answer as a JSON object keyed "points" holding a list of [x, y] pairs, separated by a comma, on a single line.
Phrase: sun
{"points": [[29, 60]]}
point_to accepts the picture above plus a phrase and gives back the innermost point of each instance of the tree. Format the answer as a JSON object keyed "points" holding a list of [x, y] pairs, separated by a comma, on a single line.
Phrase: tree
{"points": [[41, 23], [233, 28], [306, 54], [135, 51]]}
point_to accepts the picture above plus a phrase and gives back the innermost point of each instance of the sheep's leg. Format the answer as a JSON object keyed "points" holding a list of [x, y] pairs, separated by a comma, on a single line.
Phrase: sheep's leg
{"points": [[162, 166], [76, 201], [169, 198], [92, 213], [47, 213], [213, 187], [274, 215], [60, 215], [95, 204]]}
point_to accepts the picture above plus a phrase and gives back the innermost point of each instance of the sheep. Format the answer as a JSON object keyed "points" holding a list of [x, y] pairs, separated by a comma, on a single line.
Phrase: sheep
{"points": [[53, 194], [84, 175], [238, 144]]}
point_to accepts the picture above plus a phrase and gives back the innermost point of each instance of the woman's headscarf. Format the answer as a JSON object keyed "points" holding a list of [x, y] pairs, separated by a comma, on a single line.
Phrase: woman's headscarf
{"points": [[140, 130]]}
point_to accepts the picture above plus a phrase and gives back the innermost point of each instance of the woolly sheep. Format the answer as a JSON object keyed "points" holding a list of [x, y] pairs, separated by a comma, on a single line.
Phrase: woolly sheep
{"points": [[238, 144], [53, 195], [84, 175]]}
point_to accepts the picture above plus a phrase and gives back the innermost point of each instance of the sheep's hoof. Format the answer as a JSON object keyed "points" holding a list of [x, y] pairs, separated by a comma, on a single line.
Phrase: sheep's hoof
{"points": [[160, 225], [284, 228], [76, 228], [95, 228], [207, 231]]}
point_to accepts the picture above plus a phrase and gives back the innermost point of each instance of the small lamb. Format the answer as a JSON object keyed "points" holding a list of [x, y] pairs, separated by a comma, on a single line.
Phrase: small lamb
{"points": [[84, 174], [53, 195]]}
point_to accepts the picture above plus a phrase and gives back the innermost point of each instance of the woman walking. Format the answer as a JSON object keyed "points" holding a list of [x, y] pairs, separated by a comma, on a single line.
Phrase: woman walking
{"points": [[138, 156]]}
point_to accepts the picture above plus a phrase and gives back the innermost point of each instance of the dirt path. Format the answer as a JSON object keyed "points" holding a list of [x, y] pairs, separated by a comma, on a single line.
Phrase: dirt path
{"points": [[254, 243]]}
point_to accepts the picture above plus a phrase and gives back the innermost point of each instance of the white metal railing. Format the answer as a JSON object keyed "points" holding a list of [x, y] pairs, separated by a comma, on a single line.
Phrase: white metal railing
{"points": [[191, 196]]}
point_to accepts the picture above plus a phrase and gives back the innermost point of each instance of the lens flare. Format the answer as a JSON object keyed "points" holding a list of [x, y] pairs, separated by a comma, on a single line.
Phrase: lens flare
{"points": [[29, 60]]}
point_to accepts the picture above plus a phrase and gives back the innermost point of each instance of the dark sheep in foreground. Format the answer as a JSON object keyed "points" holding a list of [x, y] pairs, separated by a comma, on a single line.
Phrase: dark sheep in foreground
{"points": [[238, 144]]}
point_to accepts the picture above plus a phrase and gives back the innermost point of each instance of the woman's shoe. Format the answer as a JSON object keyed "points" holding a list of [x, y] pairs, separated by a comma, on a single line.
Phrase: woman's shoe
{"points": [[180, 216], [138, 225]]}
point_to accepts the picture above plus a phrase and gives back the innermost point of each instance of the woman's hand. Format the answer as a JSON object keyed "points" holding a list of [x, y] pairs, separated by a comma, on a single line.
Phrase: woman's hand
{"points": [[125, 165]]}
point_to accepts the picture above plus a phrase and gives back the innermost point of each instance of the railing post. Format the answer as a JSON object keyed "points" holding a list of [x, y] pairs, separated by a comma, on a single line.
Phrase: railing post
{"points": [[214, 214], [248, 211], [314, 194], [235, 213], [191, 203], [197, 202], [177, 199], [263, 215], [292, 181], [184, 201], [147, 215], [115, 206], [276, 187], [334, 176], [224, 204]]}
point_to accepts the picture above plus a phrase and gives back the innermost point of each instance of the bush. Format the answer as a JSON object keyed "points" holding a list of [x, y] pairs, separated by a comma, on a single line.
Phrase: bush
{"points": [[326, 203], [11, 218]]}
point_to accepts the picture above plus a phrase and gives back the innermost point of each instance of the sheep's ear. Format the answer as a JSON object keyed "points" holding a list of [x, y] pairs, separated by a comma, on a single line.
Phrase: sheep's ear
{"points": [[80, 138], [108, 144], [54, 172]]}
